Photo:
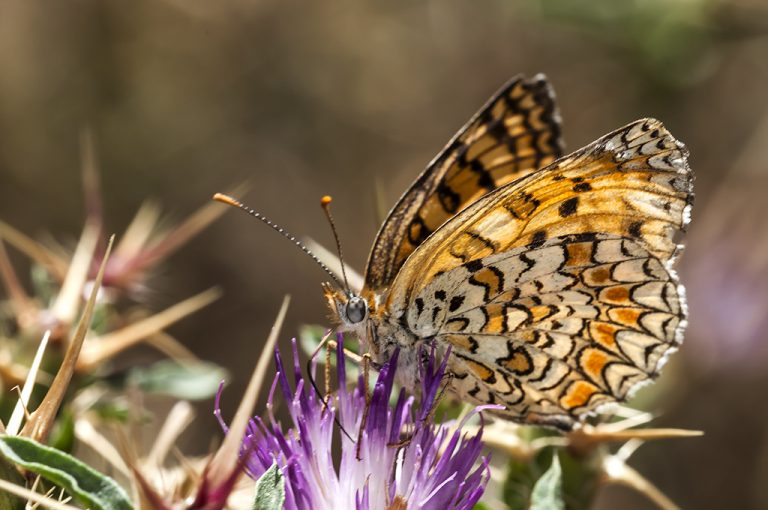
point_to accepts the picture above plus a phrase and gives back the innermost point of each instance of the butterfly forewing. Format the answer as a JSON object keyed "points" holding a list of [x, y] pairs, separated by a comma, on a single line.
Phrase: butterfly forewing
{"points": [[514, 134], [634, 182]]}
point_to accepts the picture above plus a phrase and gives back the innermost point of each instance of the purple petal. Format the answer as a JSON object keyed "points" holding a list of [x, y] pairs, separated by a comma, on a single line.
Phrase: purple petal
{"points": [[433, 468]]}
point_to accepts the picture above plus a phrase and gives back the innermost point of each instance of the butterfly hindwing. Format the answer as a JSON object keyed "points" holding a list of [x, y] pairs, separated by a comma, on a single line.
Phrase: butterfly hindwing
{"points": [[515, 133], [554, 331]]}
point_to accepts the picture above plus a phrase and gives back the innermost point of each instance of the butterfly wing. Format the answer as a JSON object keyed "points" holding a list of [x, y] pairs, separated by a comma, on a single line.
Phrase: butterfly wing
{"points": [[634, 182], [556, 291], [553, 332], [514, 134]]}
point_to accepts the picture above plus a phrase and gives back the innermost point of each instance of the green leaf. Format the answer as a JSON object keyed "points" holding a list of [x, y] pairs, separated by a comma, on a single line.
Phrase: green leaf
{"points": [[194, 381], [520, 479], [113, 410], [270, 490], [43, 287], [580, 476], [548, 491], [89, 487], [63, 433]]}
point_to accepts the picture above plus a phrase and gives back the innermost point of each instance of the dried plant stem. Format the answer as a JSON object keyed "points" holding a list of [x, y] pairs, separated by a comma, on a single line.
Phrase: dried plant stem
{"points": [[34, 250], [14, 424], [587, 438], [226, 458], [172, 348], [331, 260], [34, 497], [89, 167], [101, 349], [21, 303], [197, 222], [41, 421], [625, 475], [138, 231], [67, 303], [501, 436], [87, 434], [178, 419]]}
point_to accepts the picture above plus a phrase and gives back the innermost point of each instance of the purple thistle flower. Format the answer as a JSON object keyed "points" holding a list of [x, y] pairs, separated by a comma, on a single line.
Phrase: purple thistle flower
{"points": [[435, 468]]}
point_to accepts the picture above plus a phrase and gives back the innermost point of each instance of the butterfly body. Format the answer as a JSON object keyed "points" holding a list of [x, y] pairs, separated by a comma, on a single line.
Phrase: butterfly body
{"points": [[549, 278]]}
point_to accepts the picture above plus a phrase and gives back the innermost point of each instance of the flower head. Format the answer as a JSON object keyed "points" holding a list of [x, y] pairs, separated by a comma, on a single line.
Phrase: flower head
{"points": [[403, 460]]}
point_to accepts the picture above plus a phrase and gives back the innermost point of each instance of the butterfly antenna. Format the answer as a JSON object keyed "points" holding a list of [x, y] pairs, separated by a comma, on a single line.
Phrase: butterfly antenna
{"points": [[226, 199], [325, 203]]}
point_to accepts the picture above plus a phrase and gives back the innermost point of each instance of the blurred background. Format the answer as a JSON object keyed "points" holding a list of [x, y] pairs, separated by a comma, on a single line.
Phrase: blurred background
{"points": [[300, 99]]}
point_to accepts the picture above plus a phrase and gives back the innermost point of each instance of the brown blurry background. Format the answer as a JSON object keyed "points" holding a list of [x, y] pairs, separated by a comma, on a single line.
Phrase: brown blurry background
{"points": [[189, 97]]}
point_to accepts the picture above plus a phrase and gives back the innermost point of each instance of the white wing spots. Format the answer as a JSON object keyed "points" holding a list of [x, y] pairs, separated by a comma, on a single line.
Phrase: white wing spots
{"points": [[687, 214], [554, 295], [621, 377], [638, 347], [494, 222], [614, 250], [659, 324], [657, 295], [527, 265], [516, 317]]}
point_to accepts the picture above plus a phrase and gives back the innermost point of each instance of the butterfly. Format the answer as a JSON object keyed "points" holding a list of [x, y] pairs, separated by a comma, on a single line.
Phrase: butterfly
{"points": [[549, 278]]}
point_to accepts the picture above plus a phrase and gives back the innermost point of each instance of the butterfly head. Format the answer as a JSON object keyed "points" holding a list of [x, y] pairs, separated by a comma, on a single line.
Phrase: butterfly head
{"points": [[347, 309]]}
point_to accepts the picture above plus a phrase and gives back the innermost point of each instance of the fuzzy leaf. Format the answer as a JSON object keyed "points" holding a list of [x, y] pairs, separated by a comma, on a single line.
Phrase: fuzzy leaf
{"points": [[548, 491], [89, 487], [194, 381], [270, 490]]}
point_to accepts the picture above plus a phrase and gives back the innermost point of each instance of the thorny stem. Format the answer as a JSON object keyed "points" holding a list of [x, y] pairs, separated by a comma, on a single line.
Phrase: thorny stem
{"points": [[620, 473], [29, 495], [22, 304], [226, 458], [20, 411], [110, 344], [39, 425]]}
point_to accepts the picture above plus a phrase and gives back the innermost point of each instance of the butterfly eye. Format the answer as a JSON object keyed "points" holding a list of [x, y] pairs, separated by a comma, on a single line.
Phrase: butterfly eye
{"points": [[356, 309]]}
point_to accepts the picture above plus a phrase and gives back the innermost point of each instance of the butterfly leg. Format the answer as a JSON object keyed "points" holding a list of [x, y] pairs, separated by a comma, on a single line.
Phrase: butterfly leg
{"points": [[366, 372]]}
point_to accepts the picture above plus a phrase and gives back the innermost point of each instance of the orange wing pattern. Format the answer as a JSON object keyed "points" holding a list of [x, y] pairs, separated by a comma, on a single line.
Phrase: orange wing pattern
{"points": [[514, 134], [634, 182], [556, 291]]}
